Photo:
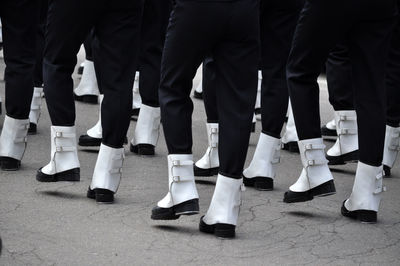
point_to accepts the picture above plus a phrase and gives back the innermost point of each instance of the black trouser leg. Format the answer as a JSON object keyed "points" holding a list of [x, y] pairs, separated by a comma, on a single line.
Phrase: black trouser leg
{"points": [[339, 78], [177, 73], [393, 79], [236, 77], [154, 26], [210, 90], [64, 35], [194, 29], [369, 47], [115, 54], [320, 26], [19, 20], [41, 26], [278, 21], [88, 46]]}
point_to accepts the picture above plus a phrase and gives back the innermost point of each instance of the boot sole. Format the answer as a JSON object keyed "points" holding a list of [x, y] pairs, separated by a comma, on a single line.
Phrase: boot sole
{"points": [[387, 171], [364, 216], [291, 146], [10, 164], [32, 129], [72, 175], [205, 171], [143, 149], [93, 99], [220, 230], [259, 183], [190, 207], [87, 141], [351, 157], [103, 196], [323, 190]]}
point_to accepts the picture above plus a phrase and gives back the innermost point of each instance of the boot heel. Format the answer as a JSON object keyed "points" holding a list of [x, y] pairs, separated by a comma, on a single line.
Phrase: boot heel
{"points": [[323, 190], [386, 170], [224, 230], [72, 175], [104, 196], [189, 207], [365, 216], [10, 164]]}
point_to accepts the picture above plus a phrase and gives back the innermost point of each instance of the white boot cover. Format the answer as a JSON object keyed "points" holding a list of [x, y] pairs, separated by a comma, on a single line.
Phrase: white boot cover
{"points": [[36, 105], [315, 166], [331, 125], [180, 181], [199, 88], [265, 159], [88, 84], [108, 170], [346, 128], [225, 204], [210, 159], [392, 146], [64, 155], [290, 132], [367, 188], [136, 99], [148, 126], [97, 131], [13, 137]]}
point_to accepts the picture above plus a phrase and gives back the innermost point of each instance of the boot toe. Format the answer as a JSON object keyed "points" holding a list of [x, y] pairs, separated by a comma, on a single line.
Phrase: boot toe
{"points": [[88, 141], [143, 149], [10, 164], [72, 175], [205, 171], [364, 216], [32, 129], [261, 183], [220, 230]]}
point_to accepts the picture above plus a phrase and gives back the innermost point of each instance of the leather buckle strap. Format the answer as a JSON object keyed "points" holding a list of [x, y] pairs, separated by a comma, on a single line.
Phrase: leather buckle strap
{"points": [[214, 130], [63, 149], [316, 162], [177, 178], [308, 147], [347, 131], [176, 163], [347, 118], [60, 134]]}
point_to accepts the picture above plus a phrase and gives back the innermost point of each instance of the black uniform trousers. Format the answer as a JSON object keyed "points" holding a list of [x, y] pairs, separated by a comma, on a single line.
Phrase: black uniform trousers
{"points": [[230, 32], [393, 79], [322, 24], [40, 30], [117, 26], [154, 26], [88, 45], [210, 90], [19, 20], [339, 78], [278, 20]]}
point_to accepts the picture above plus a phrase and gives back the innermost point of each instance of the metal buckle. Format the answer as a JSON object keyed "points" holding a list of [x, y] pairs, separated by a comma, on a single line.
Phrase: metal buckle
{"points": [[214, 130], [311, 162], [176, 179], [59, 149], [176, 163], [59, 134]]}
